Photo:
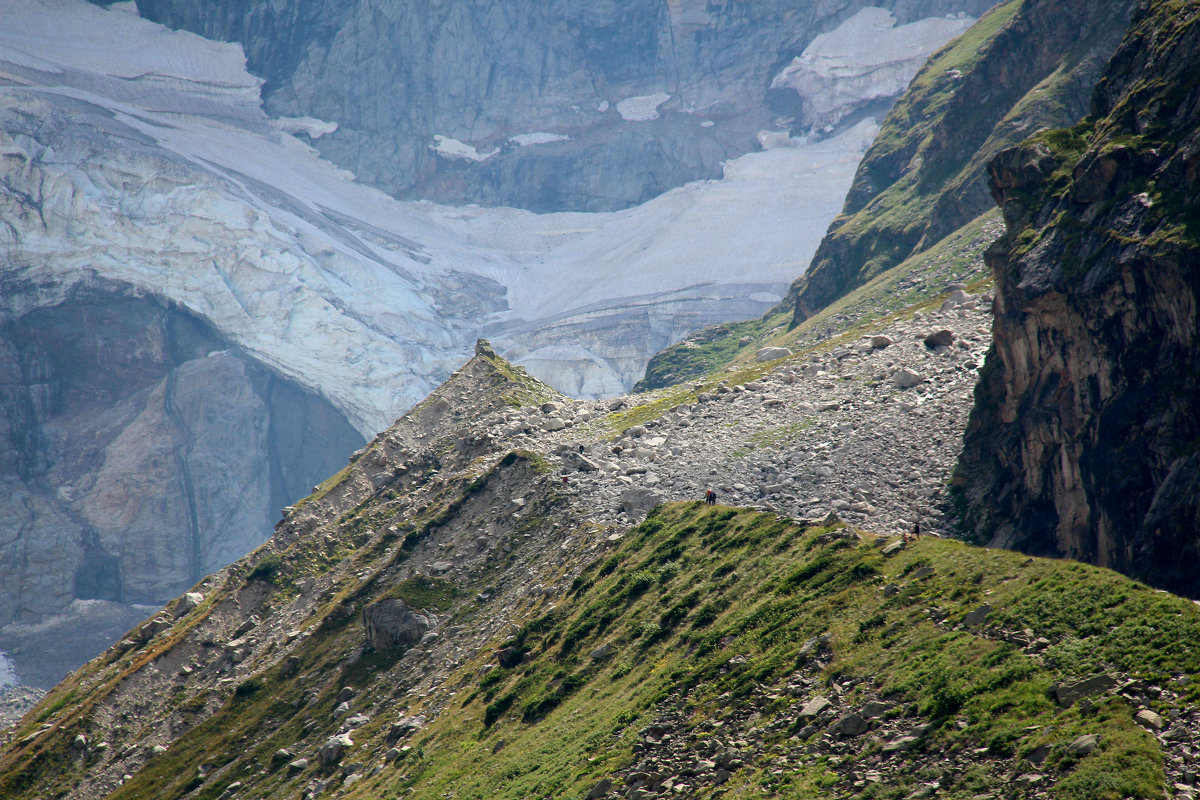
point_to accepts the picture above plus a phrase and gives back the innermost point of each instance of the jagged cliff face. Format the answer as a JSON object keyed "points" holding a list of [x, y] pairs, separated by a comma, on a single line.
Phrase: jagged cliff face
{"points": [[1084, 438], [1027, 65], [565, 105], [139, 450]]}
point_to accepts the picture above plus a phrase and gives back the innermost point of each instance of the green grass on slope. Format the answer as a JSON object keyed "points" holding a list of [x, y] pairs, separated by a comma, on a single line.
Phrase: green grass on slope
{"points": [[679, 600], [695, 587]]}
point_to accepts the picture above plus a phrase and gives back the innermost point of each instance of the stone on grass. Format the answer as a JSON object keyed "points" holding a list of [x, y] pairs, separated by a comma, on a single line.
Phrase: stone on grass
{"points": [[977, 616], [1148, 720], [849, 725], [404, 727], [772, 353], [814, 707], [600, 789], [899, 743], [1084, 744], [330, 754], [1068, 693]]}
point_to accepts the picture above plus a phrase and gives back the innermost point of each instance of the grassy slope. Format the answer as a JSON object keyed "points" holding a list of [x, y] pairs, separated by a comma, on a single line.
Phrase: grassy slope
{"points": [[916, 284], [691, 589]]}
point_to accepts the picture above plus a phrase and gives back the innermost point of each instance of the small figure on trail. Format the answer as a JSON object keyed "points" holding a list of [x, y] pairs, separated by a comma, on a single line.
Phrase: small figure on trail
{"points": [[916, 533], [565, 482], [710, 497]]}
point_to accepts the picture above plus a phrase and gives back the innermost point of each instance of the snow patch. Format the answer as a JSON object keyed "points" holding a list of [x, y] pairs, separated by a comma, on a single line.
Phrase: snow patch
{"points": [[8, 674], [309, 126], [603, 107], [64, 32], [528, 139], [642, 108], [453, 148], [865, 58]]}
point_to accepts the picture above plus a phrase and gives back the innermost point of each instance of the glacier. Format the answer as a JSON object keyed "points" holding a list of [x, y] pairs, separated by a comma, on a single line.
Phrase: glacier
{"points": [[368, 300]]}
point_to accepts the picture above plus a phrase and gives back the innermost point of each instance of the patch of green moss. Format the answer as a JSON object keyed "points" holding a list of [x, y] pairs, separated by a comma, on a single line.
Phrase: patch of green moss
{"points": [[427, 593], [691, 592]]}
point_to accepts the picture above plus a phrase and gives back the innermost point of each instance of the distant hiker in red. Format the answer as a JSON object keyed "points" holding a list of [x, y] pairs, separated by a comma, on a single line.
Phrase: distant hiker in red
{"points": [[710, 497], [564, 480]]}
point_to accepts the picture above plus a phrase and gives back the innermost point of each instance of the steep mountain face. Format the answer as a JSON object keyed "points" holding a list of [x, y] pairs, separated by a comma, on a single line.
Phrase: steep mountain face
{"points": [[564, 105], [1027, 65], [140, 450], [1084, 437], [447, 615]]}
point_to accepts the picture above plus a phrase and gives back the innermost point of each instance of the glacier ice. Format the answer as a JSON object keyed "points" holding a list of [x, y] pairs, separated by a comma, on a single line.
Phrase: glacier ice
{"points": [[187, 189]]}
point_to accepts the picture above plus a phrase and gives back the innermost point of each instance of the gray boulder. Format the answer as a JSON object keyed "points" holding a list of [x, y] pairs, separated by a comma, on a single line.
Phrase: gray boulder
{"points": [[939, 339], [849, 725], [391, 623], [335, 747], [815, 707], [580, 462], [1084, 744], [638, 501], [405, 727], [977, 616], [1149, 720], [1068, 693], [772, 353]]}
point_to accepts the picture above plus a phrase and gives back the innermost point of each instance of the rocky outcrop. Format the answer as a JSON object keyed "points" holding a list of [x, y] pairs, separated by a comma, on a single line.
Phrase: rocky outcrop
{"points": [[1027, 65], [564, 105], [139, 451], [1084, 438]]}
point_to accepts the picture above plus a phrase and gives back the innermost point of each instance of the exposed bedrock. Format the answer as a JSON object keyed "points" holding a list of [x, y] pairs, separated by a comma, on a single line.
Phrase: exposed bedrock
{"points": [[1028, 65], [138, 451], [1085, 439]]}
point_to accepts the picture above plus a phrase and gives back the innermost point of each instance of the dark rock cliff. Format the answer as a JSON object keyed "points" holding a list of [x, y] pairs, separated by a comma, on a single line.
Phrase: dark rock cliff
{"points": [[393, 75], [139, 451], [1027, 65], [1084, 440]]}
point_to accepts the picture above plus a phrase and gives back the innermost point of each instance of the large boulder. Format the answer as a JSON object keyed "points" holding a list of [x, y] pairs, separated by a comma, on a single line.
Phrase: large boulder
{"points": [[772, 353], [391, 623], [637, 502]]}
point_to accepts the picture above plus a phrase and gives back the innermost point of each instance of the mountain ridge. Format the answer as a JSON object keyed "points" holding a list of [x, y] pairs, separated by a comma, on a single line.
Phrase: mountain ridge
{"points": [[714, 647]]}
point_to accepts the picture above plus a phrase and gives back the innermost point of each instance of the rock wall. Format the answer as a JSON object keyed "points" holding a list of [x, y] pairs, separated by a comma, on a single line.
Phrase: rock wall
{"points": [[139, 451], [1084, 439], [563, 105], [1027, 65]]}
